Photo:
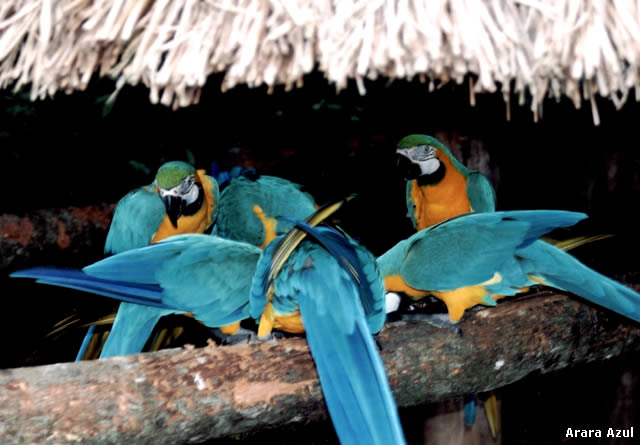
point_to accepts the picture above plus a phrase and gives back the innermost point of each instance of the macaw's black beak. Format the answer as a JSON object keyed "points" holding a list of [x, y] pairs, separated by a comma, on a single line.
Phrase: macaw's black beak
{"points": [[406, 168], [174, 206]]}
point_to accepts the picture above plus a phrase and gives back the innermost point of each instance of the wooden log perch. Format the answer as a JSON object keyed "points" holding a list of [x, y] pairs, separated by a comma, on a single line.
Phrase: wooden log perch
{"points": [[69, 233], [191, 395]]}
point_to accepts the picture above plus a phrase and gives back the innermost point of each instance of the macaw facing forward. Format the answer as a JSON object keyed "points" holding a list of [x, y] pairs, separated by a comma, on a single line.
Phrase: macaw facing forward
{"points": [[180, 200], [439, 187], [330, 288]]}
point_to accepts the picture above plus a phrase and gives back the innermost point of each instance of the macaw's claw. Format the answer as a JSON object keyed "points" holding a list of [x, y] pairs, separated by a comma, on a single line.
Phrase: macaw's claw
{"points": [[271, 338], [241, 336], [437, 320]]}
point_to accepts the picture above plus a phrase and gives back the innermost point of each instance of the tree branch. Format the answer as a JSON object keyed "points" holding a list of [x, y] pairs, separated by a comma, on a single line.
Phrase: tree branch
{"points": [[193, 395]]}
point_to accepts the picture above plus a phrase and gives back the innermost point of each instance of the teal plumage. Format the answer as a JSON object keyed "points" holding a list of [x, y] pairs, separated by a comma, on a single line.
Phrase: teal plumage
{"points": [[180, 200], [331, 298], [335, 284], [135, 220], [499, 252], [207, 276], [480, 191], [238, 216]]}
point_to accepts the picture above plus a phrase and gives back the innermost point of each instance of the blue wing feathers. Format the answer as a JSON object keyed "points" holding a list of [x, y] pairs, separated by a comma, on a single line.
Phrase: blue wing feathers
{"points": [[136, 219], [205, 275], [351, 372], [275, 196], [477, 246], [85, 343], [560, 269], [131, 329], [364, 269], [76, 279]]}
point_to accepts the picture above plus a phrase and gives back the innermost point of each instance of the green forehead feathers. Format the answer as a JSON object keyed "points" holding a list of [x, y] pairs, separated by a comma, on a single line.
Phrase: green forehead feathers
{"points": [[422, 139], [418, 139], [172, 173]]}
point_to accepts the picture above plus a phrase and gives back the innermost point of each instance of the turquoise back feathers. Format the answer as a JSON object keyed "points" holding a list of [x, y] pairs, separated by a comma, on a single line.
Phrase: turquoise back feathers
{"points": [[249, 207]]}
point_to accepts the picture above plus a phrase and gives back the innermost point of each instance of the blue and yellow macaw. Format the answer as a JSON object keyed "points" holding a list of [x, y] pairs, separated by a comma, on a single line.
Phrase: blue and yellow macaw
{"points": [[180, 200], [439, 187], [479, 258], [330, 288], [327, 281]]}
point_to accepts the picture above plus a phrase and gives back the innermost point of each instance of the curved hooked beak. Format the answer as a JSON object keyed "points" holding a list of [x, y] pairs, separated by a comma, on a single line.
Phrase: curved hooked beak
{"points": [[406, 168], [174, 206]]}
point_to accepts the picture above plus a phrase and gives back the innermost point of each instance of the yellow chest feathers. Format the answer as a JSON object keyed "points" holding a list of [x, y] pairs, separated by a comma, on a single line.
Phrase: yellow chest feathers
{"points": [[435, 203]]}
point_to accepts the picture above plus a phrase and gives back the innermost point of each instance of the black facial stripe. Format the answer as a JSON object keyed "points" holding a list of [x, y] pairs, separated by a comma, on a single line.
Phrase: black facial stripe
{"points": [[193, 208], [434, 177]]}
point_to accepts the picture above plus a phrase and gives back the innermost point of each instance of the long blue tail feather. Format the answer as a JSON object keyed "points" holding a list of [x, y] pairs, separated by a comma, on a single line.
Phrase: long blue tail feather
{"points": [[85, 343], [560, 269], [470, 406], [144, 294], [351, 372]]}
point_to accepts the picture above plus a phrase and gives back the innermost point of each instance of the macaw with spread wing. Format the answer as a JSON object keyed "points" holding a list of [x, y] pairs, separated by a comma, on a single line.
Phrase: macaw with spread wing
{"points": [[205, 275], [479, 258], [329, 283], [180, 200], [439, 187]]}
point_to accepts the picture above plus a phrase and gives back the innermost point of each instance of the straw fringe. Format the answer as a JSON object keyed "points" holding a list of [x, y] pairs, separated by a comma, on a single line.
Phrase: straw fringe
{"points": [[531, 48]]}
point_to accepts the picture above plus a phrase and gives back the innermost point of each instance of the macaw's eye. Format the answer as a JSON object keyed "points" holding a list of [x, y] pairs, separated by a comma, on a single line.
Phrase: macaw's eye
{"points": [[423, 152], [186, 184]]}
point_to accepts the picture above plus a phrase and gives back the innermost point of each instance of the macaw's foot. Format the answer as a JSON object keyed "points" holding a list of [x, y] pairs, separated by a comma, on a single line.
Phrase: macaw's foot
{"points": [[437, 320], [271, 337], [241, 336]]}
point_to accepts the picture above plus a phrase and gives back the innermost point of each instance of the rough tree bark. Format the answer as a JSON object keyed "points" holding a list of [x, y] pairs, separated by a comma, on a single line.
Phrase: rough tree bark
{"points": [[55, 234], [186, 396]]}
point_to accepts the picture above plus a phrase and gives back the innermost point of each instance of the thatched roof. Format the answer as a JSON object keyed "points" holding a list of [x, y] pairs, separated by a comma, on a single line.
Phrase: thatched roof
{"points": [[577, 48]]}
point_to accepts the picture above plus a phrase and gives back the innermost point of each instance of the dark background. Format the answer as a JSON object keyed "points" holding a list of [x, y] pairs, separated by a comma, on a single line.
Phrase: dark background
{"points": [[73, 151]]}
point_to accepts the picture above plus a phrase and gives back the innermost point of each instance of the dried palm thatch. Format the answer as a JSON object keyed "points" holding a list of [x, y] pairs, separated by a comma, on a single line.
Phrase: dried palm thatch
{"points": [[577, 48]]}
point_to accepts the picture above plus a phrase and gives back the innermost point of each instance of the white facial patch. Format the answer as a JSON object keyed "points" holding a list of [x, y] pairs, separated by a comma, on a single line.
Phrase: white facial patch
{"points": [[422, 155], [186, 190], [392, 302], [429, 166]]}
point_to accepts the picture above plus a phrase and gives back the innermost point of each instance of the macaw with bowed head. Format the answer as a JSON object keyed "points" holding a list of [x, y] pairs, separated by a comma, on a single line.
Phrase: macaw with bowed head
{"points": [[180, 200], [326, 281]]}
